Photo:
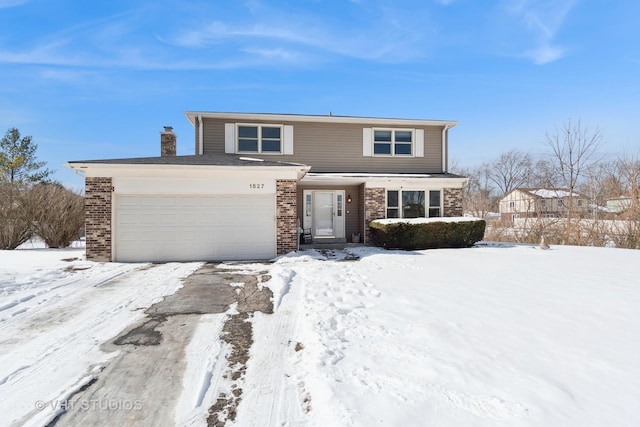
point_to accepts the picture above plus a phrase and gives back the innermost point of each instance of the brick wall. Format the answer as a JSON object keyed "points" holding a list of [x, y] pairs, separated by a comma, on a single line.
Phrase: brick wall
{"points": [[374, 208], [452, 202], [286, 216], [98, 218]]}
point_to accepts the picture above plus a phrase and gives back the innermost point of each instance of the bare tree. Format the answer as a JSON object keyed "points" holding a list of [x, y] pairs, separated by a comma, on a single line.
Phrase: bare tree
{"points": [[478, 196], [601, 183], [510, 170], [16, 214], [544, 175], [572, 147], [59, 216]]}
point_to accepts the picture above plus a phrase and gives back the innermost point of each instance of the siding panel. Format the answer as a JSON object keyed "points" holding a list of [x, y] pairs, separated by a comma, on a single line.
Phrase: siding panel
{"points": [[329, 147]]}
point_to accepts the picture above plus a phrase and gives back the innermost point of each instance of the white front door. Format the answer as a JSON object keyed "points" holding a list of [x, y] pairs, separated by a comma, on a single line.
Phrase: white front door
{"points": [[324, 213]]}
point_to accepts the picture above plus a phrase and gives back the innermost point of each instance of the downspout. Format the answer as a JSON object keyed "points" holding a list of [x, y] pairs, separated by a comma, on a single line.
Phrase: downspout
{"points": [[444, 147], [200, 135]]}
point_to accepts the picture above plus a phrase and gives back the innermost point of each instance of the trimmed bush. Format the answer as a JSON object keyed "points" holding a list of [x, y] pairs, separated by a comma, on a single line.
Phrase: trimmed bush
{"points": [[427, 235]]}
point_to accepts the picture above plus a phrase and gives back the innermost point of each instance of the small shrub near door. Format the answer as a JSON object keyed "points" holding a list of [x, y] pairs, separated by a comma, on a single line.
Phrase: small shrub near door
{"points": [[427, 233]]}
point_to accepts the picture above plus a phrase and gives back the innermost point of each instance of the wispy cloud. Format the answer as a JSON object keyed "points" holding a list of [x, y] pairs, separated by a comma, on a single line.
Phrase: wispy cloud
{"points": [[543, 19], [263, 36], [384, 36], [12, 3]]}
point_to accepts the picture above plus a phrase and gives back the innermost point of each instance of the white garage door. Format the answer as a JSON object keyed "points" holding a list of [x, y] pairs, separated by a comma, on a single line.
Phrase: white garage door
{"points": [[194, 228]]}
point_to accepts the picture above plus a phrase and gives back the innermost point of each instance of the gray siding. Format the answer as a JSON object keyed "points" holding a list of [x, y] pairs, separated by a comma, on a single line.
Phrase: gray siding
{"points": [[337, 147]]}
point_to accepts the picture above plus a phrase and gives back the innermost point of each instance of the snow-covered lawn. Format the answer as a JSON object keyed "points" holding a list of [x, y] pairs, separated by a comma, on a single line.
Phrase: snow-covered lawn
{"points": [[495, 335], [491, 335]]}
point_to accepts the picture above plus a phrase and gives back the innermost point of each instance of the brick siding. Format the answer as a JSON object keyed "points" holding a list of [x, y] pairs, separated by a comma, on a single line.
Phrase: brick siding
{"points": [[374, 208], [452, 202], [98, 218], [286, 216]]}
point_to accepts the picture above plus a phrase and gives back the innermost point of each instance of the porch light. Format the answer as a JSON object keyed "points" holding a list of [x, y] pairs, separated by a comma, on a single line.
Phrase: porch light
{"points": [[349, 200]]}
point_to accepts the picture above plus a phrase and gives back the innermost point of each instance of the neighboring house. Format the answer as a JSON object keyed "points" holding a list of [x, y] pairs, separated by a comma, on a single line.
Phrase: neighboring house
{"points": [[620, 204], [540, 203], [257, 179]]}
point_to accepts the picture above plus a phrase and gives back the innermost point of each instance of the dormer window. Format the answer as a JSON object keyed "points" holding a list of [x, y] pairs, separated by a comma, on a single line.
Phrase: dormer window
{"points": [[392, 142], [260, 139]]}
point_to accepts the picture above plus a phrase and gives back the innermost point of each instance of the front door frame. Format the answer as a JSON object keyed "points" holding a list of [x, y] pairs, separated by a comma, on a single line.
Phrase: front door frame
{"points": [[338, 206]]}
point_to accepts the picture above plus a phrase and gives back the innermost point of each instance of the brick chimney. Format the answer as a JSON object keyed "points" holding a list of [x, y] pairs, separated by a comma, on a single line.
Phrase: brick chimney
{"points": [[167, 142]]}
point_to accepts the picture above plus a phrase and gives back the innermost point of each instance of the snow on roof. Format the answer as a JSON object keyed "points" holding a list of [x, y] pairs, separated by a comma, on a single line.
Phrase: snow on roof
{"points": [[552, 193]]}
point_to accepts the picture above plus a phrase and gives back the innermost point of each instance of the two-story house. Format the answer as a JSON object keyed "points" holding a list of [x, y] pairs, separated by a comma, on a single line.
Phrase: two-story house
{"points": [[256, 180], [540, 203]]}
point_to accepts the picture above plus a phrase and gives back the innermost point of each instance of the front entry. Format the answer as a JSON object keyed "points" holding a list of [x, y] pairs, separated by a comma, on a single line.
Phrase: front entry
{"points": [[324, 214]]}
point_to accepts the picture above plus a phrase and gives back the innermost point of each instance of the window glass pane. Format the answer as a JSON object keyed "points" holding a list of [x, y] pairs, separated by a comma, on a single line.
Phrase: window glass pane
{"points": [[392, 213], [402, 149], [247, 131], [248, 145], [434, 212], [270, 146], [308, 205], [382, 135], [434, 199], [392, 199], [339, 205], [403, 136], [381, 148], [413, 204], [268, 132]]}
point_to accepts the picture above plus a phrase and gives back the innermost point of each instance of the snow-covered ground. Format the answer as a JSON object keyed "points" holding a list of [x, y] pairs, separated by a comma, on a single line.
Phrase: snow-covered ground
{"points": [[55, 312], [492, 335], [486, 336]]}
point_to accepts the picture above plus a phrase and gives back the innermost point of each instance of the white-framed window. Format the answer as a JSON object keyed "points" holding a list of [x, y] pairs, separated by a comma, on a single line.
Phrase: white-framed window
{"points": [[259, 138], [393, 142], [413, 203], [512, 205], [435, 200]]}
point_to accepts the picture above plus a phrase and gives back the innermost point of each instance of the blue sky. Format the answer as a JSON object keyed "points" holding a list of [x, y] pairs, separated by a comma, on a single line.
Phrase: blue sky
{"points": [[92, 80]]}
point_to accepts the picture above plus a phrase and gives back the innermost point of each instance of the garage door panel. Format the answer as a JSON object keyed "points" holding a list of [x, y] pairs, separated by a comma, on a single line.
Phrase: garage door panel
{"points": [[186, 228]]}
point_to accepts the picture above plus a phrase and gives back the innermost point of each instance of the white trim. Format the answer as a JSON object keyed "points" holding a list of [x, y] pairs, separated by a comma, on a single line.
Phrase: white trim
{"points": [[288, 140], [408, 181], [427, 190], [319, 119], [339, 222], [393, 142], [367, 142], [260, 126], [229, 137], [185, 171], [444, 146], [200, 135], [419, 143]]}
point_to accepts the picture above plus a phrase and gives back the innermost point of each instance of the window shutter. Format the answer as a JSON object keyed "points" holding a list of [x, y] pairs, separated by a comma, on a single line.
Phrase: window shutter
{"points": [[288, 139], [419, 142], [229, 138], [366, 142]]}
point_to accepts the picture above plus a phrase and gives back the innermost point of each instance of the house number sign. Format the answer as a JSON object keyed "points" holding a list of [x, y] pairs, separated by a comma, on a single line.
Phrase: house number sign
{"points": [[256, 186]]}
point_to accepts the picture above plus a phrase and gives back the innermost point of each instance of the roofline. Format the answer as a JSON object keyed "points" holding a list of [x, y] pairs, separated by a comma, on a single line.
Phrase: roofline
{"points": [[317, 118], [80, 166]]}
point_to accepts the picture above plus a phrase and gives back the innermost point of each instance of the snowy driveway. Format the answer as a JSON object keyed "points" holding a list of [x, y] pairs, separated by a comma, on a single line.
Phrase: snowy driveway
{"points": [[54, 316]]}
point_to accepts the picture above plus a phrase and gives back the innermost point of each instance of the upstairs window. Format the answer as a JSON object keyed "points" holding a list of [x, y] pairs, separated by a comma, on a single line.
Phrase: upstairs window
{"points": [[392, 142], [259, 139]]}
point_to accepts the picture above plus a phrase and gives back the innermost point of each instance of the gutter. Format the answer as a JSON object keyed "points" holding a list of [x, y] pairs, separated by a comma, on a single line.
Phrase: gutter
{"points": [[445, 128], [200, 135]]}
